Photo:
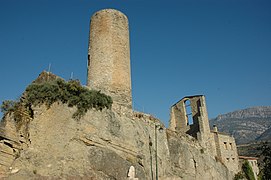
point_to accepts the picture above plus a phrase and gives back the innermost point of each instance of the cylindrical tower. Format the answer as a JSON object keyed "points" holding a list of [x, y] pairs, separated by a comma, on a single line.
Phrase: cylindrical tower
{"points": [[109, 56]]}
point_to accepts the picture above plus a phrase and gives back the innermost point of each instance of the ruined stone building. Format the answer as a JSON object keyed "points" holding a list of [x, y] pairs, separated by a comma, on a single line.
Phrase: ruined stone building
{"points": [[117, 143], [220, 145]]}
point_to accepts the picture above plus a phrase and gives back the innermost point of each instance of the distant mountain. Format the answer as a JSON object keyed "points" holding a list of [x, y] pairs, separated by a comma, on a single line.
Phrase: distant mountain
{"points": [[247, 125], [266, 136]]}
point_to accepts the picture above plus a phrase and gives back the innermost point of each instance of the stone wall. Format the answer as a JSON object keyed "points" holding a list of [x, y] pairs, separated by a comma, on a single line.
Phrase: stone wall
{"points": [[109, 56], [191, 161], [9, 144], [193, 107], [226, 150]]}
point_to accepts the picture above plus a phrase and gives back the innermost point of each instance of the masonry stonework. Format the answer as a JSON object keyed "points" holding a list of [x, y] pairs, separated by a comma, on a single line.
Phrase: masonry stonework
{"points": [[189, 116], [109, 56], [226, 150]]}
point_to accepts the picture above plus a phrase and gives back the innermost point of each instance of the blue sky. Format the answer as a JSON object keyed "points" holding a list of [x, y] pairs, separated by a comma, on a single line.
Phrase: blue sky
{"points": [[221, 49]]}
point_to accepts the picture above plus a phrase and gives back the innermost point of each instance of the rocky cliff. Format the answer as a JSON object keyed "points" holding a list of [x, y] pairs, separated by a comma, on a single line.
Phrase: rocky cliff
{"points": [[105, 144], [41, 138], [246, 125]]}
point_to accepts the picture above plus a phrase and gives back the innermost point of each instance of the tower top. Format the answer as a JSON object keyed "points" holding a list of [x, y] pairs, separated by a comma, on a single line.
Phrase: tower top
{"points": [[109, 11], [109, 56]]}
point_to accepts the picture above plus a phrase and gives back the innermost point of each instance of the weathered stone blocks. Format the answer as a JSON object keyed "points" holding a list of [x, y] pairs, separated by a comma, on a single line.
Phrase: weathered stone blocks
{"points": [[109, 56]]}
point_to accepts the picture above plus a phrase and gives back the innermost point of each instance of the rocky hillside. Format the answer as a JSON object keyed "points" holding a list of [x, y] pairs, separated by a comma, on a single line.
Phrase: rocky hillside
{"points": [[266, 136], [104, 145], [247, 125]]}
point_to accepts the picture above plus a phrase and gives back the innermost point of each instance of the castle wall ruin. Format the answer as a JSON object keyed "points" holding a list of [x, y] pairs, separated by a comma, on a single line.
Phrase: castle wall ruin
{"points": [[189, 116], [192, 121]]}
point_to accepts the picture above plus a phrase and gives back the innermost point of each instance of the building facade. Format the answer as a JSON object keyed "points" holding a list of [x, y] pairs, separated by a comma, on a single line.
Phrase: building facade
{"points": [[190, 116]]}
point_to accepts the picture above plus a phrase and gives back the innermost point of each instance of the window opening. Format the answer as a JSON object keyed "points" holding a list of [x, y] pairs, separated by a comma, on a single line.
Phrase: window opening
{"points": [[225, 145], [231, 146], [188, 112], [88, 60]]}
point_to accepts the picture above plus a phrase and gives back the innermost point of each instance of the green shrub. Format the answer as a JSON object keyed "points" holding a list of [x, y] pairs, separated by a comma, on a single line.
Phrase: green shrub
{"points": [[58, 90], [239, 176], [70, 92], [8, 106], [248, 171]]}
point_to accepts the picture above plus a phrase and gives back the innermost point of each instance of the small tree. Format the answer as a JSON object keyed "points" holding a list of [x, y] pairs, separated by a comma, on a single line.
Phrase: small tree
{"points": [[8, 106], [248, 171]]}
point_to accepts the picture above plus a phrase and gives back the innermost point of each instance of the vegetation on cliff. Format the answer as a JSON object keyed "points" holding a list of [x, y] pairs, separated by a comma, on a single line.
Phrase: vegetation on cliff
{"points": [[265, 173], [247, 169], [58, 90], [8, 106], [246, 173]]}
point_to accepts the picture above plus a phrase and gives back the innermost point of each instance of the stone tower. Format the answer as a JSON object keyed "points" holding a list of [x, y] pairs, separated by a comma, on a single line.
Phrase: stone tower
{"points": [[109, 56]]}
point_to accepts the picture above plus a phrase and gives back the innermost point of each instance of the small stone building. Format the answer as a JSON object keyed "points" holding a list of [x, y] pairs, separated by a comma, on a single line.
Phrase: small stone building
{"points": [[226, 150]]}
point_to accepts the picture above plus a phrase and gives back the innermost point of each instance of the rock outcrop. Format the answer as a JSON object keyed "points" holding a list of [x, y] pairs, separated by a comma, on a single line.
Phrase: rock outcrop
{"points": [[105, 144]]}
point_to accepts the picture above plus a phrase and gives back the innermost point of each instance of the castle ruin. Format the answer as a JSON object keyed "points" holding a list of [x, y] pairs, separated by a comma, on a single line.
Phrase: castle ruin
{"points": [[113, 144], [109, 71], [189, 116]]}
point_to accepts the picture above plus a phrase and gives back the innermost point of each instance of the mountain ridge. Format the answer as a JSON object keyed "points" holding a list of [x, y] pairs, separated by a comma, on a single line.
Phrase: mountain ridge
{"points": [[246, 125], [255, 111]]}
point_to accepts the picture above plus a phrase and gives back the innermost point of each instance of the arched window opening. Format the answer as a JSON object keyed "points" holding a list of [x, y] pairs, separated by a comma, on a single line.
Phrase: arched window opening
{"points": [[189, 115]]}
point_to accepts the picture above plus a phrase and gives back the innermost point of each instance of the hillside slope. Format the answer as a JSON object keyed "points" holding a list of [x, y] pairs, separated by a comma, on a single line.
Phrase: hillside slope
{"points": [[247, 125]]}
